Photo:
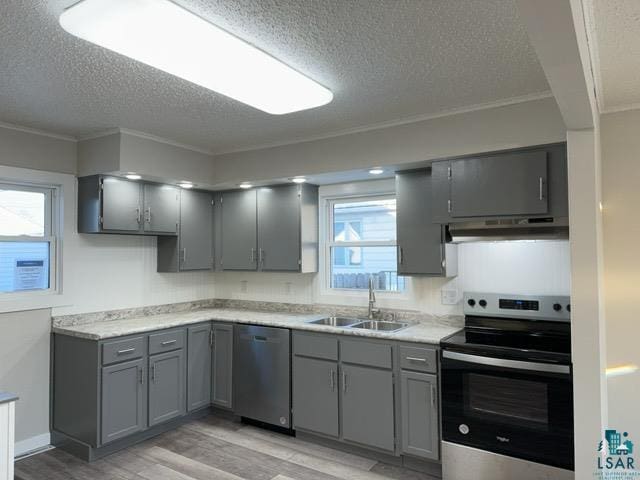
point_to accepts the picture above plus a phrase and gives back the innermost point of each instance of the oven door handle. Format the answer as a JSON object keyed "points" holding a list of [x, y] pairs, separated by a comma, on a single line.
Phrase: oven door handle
{"points": [[501, 362]]}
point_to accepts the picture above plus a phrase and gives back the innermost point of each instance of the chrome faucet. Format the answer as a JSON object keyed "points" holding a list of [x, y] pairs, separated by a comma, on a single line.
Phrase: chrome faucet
{"points": [[373, 311]]}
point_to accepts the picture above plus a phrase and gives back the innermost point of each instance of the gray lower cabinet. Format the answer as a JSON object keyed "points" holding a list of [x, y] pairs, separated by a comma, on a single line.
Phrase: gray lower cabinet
{"points": [[368, 406], [166, 386], [315, 396], [420, 432], [123, 400], [422, 249], [222, 365], [199, 346]]}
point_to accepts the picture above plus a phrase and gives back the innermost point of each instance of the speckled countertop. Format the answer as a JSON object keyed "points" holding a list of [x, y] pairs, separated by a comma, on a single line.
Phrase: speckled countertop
{"points": [[423, 331]]}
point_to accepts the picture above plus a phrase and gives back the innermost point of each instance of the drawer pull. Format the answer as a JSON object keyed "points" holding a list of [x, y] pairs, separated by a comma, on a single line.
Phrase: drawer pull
{"points": [[125, 351], [168, 342], [417, 359]]}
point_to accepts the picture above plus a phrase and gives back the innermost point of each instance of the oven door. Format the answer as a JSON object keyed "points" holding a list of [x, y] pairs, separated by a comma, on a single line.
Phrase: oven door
{"points": [[517, 408]]}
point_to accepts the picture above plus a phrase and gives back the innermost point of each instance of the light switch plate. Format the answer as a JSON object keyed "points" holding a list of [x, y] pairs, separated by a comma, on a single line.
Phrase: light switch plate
{"points": [[449, 296]]}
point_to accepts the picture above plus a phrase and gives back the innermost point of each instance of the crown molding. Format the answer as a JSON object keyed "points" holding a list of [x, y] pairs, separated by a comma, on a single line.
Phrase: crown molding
{"points": [[37, 131]]}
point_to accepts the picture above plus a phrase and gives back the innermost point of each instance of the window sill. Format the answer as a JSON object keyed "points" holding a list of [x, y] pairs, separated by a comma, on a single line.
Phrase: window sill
{"points": [[20, 302]]}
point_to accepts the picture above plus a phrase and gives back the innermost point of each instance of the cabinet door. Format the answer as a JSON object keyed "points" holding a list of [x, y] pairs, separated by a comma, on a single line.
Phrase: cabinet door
{"points": [[239, 230], [315, 395], [196, 230], [222, 385], [123, 400], [420, 241], [367, 406], [199, 366], [161, 209], [506, 184], [279, 228], [419, 393], [166, 387], [121, 205]]}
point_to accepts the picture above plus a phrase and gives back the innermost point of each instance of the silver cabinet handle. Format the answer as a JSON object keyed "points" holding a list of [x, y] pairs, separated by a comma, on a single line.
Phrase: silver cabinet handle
{"points": [[138, 215], [344, 382], [261, 256], [433, 395], [400, 256], [331, 380], [141, 372], [153, 373], [253, 255], [147, 215], [125, 351], [416, 359], [540, 188], [168, 342], [184, 255]]}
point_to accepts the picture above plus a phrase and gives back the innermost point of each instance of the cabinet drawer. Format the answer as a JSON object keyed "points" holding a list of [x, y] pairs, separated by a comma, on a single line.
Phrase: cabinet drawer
{"points": [[419, 359], [166, 341], [315, 346], [121, 350], [366, 353]]}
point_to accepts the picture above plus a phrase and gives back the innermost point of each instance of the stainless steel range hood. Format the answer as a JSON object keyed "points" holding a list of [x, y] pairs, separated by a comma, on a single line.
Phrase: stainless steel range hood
{"points": [[548, 228]]}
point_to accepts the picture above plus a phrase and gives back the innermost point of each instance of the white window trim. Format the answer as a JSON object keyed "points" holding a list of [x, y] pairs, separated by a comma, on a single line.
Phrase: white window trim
{"points": [[62, 217], [348, 192]]}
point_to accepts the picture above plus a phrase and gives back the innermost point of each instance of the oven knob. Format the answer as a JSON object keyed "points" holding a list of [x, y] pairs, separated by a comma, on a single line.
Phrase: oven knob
{"points": [[557, 307], [464, 428], [568, 307], [483, 303], [471, 302]]}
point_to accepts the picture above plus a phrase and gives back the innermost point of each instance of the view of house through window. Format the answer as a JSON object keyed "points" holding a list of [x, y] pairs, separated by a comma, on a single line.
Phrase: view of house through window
{"points": [[25, 238], [363, 244]]}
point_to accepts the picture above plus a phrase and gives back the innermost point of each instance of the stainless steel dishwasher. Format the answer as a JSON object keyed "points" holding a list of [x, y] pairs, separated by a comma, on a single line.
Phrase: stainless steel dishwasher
{"points": [[262, 374]]}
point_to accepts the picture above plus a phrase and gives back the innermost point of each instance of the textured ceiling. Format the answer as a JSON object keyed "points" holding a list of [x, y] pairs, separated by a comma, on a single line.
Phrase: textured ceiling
{"points": [[384, 60], [615, 49]]}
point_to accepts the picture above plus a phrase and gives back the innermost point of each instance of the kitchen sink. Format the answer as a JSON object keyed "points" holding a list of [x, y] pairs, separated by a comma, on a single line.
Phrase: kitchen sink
{"points": [[336, 321], [381, 325]]}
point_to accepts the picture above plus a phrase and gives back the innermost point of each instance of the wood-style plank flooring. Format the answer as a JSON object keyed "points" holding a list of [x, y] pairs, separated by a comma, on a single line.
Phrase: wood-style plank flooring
{"points": [[215, 448]]}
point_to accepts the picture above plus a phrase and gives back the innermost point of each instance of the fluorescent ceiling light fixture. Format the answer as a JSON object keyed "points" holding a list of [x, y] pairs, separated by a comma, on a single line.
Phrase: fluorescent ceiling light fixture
{"points": [[185, 184], [622, 370], [376, 171], [170, 38], [133, 176], [245, 185], [298, 179]]}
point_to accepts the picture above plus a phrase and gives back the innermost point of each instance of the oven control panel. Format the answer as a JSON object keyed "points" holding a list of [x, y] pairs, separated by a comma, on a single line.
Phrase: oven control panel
{"points": [[535, 307]]}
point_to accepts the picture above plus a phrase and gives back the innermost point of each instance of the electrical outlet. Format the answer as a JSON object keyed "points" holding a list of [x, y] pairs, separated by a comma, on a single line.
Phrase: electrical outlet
{"points": [[287, 288], [243, 286], [449, 297]]}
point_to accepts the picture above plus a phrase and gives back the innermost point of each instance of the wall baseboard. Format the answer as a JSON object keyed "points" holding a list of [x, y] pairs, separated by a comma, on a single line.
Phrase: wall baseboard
{"points": [[28, 445]]}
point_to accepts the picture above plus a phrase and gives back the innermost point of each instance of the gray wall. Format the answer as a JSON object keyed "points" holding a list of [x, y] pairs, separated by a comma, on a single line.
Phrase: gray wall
{"points": [[24, 368], [530, 123], [38, 152]]}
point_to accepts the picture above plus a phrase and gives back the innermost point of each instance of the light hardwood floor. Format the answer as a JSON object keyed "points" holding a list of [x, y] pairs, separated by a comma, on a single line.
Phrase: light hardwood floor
{"points": [[215, 449]]}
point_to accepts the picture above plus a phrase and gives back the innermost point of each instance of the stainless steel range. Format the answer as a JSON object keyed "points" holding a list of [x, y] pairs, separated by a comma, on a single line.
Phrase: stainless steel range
{"points": [[507, 397]]}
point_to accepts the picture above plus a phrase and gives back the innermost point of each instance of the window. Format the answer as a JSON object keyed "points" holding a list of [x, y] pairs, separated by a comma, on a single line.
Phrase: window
{"points": [[27, 242], [362, 244]]}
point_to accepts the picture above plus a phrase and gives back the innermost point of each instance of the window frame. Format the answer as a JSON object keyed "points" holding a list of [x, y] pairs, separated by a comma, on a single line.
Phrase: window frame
{"points": [[50, 234], [329, 242]]}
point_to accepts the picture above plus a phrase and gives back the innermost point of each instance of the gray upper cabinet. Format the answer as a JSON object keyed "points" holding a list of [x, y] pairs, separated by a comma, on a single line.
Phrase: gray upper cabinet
{"points": [[270, 229], [421, 242], [199, 343], [161, 203], [315, 395], [420, 432], [123, 400], [530, 182], [368, 406], [166, 386], [278, 228], [222, 365], [115, 205], [239, 230], [193, 248]]}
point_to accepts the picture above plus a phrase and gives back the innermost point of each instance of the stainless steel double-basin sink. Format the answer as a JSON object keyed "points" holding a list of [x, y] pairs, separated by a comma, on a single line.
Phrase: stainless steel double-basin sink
{"points": [[345, 322]]}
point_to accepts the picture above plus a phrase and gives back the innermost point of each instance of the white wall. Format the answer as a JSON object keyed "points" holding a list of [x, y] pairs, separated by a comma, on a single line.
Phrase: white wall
{"points": [[621, 201]]}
